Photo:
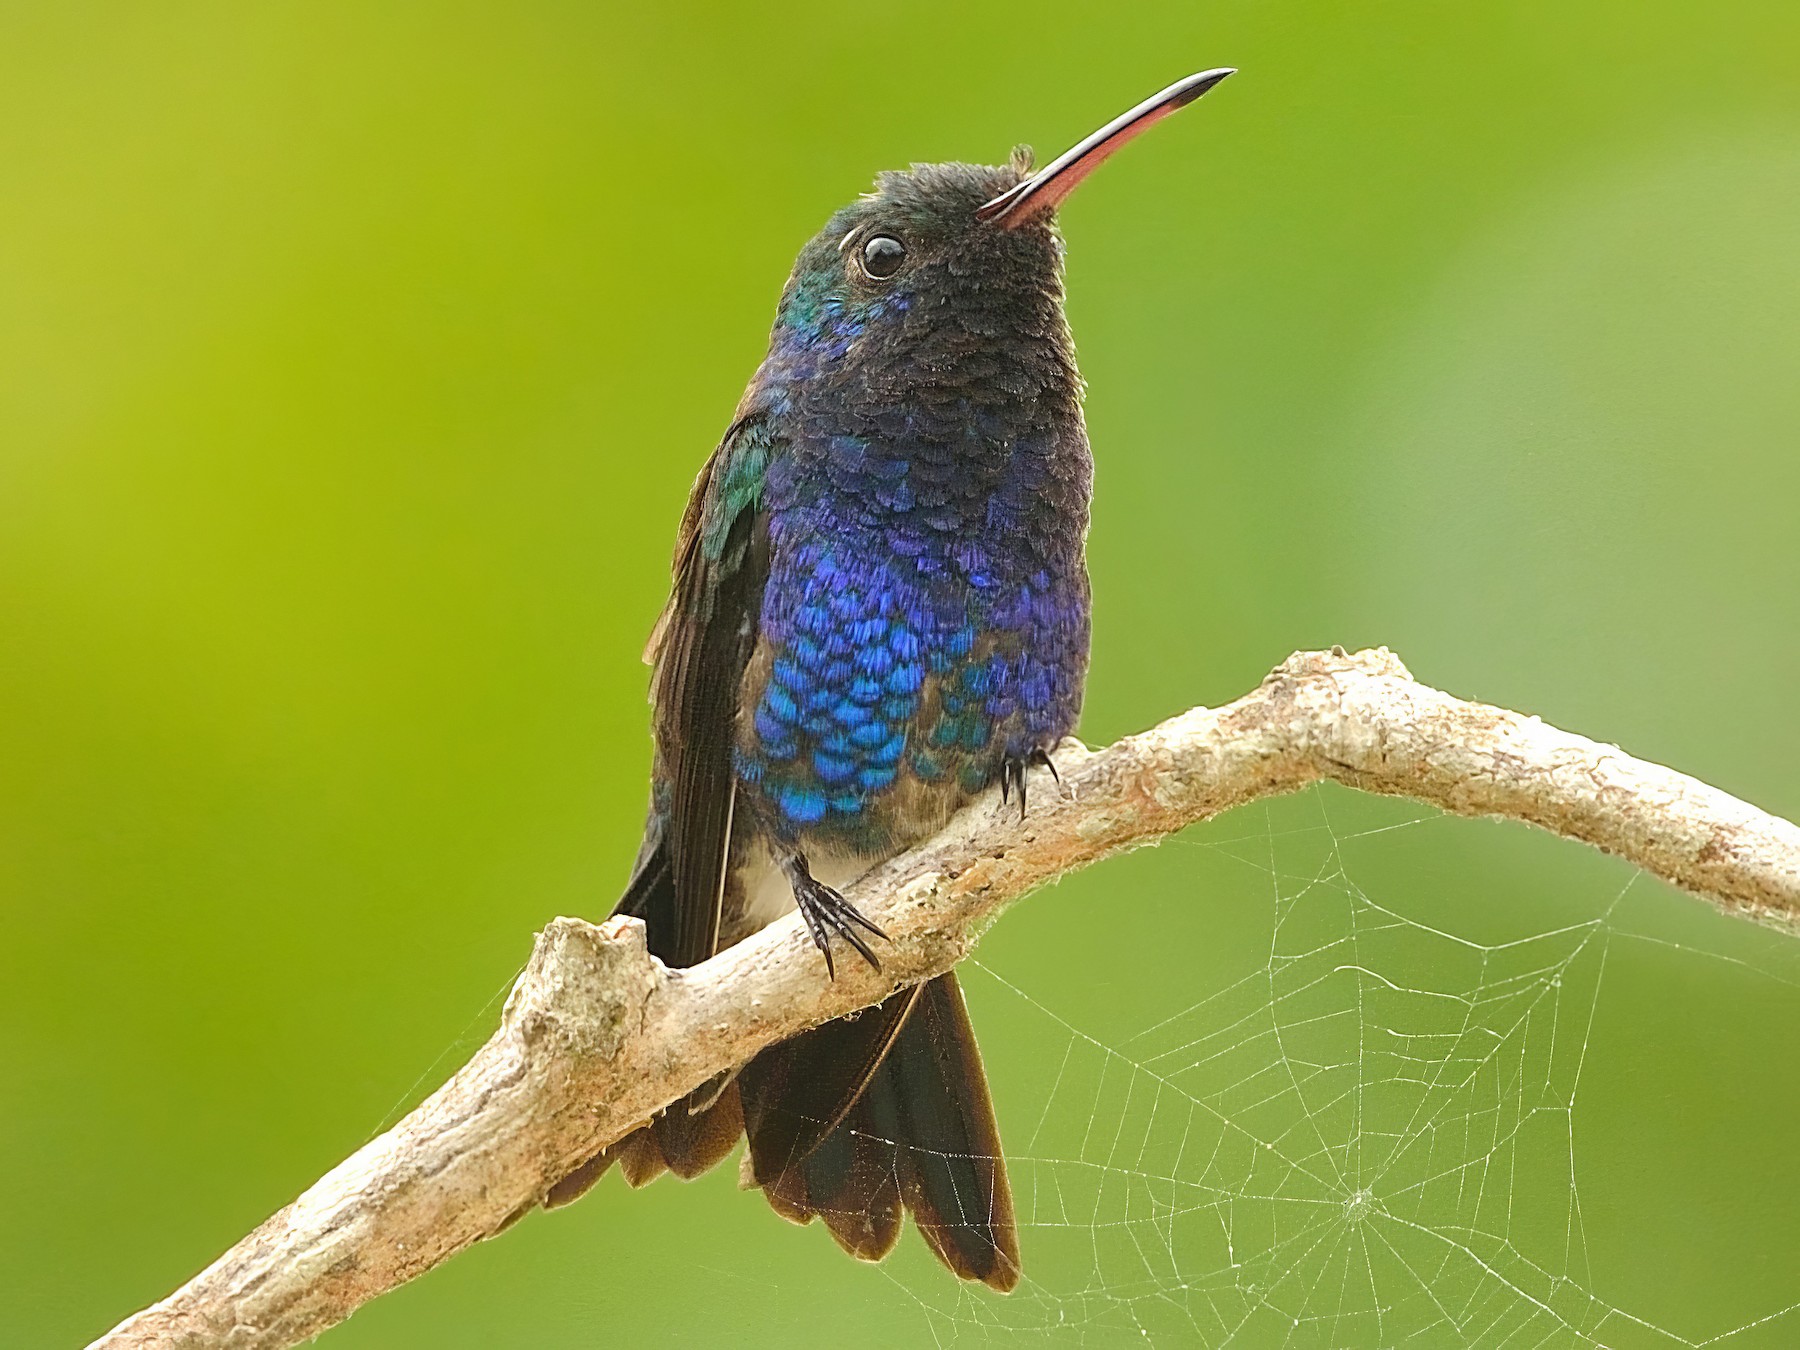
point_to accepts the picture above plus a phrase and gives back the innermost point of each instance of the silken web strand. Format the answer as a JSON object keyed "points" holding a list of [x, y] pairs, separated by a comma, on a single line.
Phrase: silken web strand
{"points": [[1371, 1140]]}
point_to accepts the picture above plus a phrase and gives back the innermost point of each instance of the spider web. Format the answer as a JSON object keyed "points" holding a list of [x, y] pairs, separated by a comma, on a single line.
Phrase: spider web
{"points": [[1372, 1136]]}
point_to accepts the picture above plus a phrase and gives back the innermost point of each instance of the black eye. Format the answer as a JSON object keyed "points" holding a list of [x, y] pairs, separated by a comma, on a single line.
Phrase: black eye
{"points": [[882, 256]]}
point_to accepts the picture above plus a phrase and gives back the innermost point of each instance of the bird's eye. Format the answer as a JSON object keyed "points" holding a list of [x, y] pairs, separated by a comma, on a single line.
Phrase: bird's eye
{"points": [[882, 256]]}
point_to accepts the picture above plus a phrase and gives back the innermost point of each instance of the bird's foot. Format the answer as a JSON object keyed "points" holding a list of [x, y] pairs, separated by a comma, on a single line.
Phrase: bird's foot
{"points": [[1012, 774], [828, 914]]}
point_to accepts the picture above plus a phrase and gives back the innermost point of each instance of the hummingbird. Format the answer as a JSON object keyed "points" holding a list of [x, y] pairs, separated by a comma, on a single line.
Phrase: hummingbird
{"points": [[880, 611]]}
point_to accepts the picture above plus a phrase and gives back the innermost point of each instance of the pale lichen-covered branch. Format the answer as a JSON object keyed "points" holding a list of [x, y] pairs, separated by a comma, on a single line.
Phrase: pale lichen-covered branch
{"points": [[597, 1036]]}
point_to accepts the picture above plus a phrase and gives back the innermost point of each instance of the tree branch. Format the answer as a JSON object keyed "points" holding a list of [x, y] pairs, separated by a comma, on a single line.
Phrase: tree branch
{"points": [[597, 1035]]}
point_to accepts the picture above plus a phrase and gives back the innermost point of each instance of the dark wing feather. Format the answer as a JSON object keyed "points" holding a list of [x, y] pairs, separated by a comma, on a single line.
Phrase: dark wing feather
{"points": [[701, 647], [706, 649], [650, 894]]}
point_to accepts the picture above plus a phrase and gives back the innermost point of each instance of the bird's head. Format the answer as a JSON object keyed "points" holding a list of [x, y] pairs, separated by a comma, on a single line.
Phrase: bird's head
{"points": [[945, 282]]}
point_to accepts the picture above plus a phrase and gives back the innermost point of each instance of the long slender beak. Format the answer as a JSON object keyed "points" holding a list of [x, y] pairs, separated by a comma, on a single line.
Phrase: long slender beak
{"points": [[1046, 189]]}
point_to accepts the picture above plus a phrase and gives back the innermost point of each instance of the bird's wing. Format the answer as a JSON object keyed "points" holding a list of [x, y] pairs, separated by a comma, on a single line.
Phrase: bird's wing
{"points": [[700, 647]]}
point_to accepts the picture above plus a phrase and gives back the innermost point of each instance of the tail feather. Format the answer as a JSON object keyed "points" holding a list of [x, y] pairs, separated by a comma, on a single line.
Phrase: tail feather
{"points": [[798, 1093], [856, 1122], [639, 1157], [696, 1141], [863, 1211], [920, 1137], [681, 1141], [954, 1175]]}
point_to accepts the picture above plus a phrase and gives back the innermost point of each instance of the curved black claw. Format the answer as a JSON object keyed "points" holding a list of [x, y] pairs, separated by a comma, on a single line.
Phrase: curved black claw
{"points": [[828, 914], [1012, 774]]}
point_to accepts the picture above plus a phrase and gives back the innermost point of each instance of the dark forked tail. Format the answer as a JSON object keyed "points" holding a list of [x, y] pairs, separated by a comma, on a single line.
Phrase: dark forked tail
{"points": [[883, 1112], [919, 1136]]}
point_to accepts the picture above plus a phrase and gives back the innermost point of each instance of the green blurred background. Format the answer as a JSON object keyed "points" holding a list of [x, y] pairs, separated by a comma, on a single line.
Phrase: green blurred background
{"points": [[355, 360]]}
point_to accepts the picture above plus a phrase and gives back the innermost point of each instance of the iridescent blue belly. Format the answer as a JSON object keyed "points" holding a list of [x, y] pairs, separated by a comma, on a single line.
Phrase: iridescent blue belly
{"points": [[895, 672]]}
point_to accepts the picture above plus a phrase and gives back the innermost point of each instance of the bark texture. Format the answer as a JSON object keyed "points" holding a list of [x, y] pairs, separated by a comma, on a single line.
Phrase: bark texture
{"points": [[597, 1035]]}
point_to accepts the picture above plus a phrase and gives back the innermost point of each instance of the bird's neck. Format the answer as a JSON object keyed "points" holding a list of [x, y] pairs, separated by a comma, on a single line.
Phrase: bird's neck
{"points": [[934, 480], [931, 428]]}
